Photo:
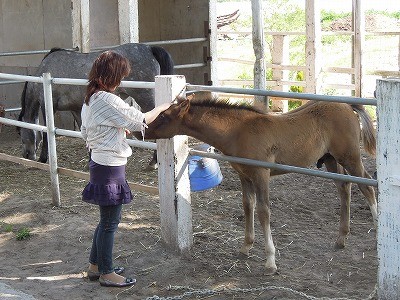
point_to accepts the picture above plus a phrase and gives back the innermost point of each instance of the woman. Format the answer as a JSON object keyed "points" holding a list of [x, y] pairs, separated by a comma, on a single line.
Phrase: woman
{"points": [[105, 120]]}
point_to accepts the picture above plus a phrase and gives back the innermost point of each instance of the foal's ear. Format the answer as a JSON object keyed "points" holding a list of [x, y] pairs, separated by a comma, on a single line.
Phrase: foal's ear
{"points": [[184, 108], [190, 97]]}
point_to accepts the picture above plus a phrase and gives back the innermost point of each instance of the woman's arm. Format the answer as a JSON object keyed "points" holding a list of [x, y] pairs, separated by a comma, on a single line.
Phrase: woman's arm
{"points": [[151, 115]]}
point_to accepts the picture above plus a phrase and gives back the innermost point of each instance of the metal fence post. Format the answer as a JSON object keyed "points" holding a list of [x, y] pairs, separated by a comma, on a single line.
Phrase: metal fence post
{"points": [[51, 138], [388, 167]]}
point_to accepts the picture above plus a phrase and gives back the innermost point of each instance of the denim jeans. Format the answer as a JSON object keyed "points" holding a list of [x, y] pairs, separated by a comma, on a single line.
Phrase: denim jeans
{"points": [[103, 238]]}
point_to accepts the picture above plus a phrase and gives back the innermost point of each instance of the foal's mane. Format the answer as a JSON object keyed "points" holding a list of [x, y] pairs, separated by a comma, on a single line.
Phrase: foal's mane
{"points": [[225, 104]]}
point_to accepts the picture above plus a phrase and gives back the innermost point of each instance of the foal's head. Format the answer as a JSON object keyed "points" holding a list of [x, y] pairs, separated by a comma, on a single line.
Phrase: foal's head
{"points": [[171, 122], [167, 124]]}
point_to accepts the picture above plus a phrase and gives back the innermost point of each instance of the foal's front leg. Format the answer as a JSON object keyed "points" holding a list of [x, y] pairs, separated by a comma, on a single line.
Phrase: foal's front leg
{"points": [[261, 185], [252, 189], [248, 201]]}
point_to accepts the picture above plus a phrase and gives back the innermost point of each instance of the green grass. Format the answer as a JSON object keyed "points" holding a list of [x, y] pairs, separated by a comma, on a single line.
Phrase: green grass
{"points": [[6, 227], [23, 234]]}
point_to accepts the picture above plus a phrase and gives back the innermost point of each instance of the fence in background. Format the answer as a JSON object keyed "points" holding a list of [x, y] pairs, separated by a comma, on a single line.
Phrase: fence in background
{"points": [[174, 186]]}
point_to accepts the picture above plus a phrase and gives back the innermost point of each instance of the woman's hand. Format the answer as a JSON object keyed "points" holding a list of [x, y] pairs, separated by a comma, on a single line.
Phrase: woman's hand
{"points": [[151, 115]]}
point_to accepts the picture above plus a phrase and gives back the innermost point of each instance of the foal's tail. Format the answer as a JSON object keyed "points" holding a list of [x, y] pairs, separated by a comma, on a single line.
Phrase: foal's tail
{"points": [[367, 129], [164, 59]]}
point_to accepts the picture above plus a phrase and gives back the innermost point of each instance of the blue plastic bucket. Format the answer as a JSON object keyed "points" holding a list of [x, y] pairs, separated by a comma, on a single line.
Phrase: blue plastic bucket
{"points": [[204, 172]]}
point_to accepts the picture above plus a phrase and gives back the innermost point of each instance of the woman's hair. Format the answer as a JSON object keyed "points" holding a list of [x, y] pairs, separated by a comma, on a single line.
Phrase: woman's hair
{"points": [[106, 74]]}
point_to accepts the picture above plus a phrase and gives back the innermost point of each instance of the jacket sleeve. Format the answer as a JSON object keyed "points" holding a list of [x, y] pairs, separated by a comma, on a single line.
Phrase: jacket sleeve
{"points": [[84, 121], [121, 115]]}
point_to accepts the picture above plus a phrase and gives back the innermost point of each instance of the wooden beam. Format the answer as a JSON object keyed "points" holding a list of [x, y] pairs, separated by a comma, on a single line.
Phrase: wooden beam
{"points": [[313, 47], [80, 18], [128, 21], [358, 45], [72, 173], [258, 46]]}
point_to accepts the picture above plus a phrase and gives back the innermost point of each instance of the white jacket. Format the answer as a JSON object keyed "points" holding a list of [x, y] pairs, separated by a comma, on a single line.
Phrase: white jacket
{"points": [[104, 122]]}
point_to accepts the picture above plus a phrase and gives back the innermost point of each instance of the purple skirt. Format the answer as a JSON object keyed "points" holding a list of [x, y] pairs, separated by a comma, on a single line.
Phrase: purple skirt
{"points": [[107, 185]]}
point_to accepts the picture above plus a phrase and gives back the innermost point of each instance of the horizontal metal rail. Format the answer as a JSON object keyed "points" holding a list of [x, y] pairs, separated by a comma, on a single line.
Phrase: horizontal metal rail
{"points": [[187, 66], [12, 109], [286, 168], [303, 96], [130, 84], [32, 126], [16, 53], [10, 82], [142, 144], [21, 77], [252, 162], [72, 133]]}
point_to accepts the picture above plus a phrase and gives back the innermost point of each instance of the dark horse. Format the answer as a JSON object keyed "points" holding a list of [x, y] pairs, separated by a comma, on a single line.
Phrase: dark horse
{"points": [[322, 132], [146, 61]]}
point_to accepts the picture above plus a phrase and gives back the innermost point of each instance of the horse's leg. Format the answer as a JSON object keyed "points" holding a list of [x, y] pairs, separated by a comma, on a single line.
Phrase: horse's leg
{"points": [[77, 118], [369, 193], [44, 153], [344, 190], [153, 163], [248, 201], [357, 169], [261, 184]]}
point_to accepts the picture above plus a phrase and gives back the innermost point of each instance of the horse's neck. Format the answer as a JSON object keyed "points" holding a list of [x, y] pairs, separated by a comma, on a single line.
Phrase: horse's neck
{"points": [[210, 127]]}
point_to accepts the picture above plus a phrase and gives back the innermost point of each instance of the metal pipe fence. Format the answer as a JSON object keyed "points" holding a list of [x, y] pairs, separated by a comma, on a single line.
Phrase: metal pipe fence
{"points": [[142, 144]]}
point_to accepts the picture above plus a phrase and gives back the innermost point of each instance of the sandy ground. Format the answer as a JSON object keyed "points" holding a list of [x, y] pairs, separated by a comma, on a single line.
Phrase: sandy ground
{"points": [[51, 263]]}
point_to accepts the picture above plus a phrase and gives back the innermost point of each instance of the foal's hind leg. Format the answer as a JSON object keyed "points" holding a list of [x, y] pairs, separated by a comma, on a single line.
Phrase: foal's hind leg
{"points": [[368, 191], [344, 189]]}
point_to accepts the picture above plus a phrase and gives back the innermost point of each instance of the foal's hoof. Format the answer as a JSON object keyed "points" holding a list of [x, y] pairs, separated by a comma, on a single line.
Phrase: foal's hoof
{"points": [[151, 167], [245, 250], [271, 271], [340, 243]]}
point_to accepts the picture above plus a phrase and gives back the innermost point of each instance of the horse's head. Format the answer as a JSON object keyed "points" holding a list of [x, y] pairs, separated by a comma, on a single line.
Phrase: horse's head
{"points": [[30, 141], [168, 123]]}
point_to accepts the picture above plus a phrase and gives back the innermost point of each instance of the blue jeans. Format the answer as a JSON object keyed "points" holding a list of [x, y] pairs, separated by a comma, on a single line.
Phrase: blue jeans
{"points": [[103, 238]]}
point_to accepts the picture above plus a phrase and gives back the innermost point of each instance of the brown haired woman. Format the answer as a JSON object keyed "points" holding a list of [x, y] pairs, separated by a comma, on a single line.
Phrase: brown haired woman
{"points": [[105, 119]]}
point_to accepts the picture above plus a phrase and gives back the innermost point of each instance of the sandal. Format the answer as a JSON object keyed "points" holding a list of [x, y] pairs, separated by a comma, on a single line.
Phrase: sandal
{"points": [[127, 282]]}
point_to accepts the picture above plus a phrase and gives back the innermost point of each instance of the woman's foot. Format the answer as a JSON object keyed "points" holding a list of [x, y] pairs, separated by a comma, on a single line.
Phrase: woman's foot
{"points": [[115, 280], [94, 274]]}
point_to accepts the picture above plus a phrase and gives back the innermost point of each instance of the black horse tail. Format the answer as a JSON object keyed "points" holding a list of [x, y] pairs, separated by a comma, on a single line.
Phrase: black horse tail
{"points": [[164, 59], [22, 113]]}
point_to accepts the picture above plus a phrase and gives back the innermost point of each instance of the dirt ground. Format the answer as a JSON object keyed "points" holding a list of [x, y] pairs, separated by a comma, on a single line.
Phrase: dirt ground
{"points": [[51, 263]]}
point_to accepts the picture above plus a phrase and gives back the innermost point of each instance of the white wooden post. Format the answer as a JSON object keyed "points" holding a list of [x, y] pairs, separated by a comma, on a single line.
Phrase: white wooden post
{"points": [[51, 138], [358, 44], [280, 56], [128, 21], [80, 17], [388, 169], [258, 46], [213, 41], [313, 47], [173, 175]]}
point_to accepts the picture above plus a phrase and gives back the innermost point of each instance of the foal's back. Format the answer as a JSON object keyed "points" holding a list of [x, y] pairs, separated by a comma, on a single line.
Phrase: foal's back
{"points": [[302, 136]]}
